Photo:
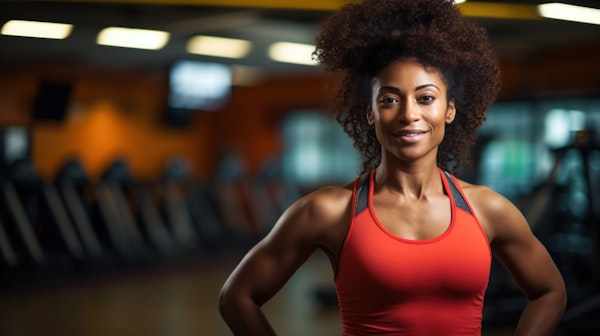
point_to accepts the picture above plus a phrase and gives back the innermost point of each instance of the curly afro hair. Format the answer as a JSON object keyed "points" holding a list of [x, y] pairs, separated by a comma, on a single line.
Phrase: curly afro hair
{"points": [[362, 38]]}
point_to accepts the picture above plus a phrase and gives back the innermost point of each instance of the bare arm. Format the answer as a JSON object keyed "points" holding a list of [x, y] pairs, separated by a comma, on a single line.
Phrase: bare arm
{"points": [[315, 221], [527, 260]]}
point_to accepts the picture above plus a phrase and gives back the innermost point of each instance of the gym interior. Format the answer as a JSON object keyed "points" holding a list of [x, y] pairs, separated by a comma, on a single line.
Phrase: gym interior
{"points": [[134, 178]]}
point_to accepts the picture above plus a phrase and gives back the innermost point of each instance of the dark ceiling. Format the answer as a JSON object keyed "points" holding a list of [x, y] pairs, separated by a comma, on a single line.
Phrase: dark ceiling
{"points": [[511, 38]]}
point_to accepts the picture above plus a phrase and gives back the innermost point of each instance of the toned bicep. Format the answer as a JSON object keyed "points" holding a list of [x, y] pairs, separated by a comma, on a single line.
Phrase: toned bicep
{"points": [[316, 221], [302, 229], [522, 254], [529, 264], [267, 267]]}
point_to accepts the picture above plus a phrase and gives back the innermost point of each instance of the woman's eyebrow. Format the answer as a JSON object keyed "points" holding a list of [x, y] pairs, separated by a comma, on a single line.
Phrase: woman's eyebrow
{"points": [[389, 88], [420, 87]]}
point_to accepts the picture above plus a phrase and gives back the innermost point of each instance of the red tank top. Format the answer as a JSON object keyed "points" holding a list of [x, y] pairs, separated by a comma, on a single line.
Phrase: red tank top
{"points": [[387, 285]]}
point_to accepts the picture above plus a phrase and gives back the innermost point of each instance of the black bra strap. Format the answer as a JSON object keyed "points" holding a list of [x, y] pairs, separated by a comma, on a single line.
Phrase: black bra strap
{"points": [[459, 200], [362, 194]]}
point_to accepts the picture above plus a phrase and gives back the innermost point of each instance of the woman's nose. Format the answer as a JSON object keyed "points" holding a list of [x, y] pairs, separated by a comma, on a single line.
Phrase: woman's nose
{"points": [[409, 112]]}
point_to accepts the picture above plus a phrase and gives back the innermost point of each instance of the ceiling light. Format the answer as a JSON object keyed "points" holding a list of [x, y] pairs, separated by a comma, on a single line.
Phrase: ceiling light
{"points": [[289, 52], [562, 11], [133, 38], [37, 29], [456, 2], [218, 46]]}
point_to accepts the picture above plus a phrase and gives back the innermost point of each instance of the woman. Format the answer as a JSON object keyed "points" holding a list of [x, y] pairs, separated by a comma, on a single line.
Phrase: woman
{"points": [[410, 245]]}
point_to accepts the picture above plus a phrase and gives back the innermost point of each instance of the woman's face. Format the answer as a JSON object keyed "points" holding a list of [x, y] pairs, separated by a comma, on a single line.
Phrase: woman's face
{"points": [[409, 110]]}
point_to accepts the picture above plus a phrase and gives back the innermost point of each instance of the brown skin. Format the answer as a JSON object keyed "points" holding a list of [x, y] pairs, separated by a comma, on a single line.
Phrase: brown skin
{"points": [[407, 96]]}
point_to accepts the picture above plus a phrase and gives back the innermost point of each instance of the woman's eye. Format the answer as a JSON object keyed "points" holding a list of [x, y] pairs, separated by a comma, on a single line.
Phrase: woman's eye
{"points": [[427, 99], [388, 100]]}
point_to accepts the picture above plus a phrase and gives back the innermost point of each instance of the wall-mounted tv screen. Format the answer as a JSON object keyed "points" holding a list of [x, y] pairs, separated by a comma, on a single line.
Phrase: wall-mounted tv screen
{"points": [[195, 85], [52, 100]]}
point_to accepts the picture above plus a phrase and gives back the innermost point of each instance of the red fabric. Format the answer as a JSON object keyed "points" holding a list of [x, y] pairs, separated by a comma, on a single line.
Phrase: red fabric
{"points": [[387, 285]]}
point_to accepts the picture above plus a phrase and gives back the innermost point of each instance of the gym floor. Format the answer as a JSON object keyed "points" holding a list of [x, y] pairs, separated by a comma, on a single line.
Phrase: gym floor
{"points": [[174, 300]]}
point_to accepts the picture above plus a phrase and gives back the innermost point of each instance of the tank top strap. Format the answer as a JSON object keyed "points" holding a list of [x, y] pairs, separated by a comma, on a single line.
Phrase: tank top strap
{"points": [[362, 193], [459, 198], [363, 185]]}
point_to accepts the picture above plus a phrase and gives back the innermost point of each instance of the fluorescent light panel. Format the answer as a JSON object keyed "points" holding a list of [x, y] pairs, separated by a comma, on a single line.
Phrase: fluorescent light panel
{"points": [[218, 46], [37, 29], [289, 52], [566, 12], [133, 38]]}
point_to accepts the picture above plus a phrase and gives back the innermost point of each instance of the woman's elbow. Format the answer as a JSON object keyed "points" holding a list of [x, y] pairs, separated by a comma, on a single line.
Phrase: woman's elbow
{"points": [[562, 296], [556, 296], [226, 302]]}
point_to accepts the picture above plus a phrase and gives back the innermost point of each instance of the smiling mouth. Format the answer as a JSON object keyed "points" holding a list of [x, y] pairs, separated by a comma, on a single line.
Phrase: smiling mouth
{"points": [[410, 136]]}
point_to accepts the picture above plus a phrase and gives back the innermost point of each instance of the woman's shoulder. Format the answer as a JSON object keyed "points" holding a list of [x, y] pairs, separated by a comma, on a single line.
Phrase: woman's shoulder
{"points": [[329, 202], [320, 218], [485, 198], [495, 212]]}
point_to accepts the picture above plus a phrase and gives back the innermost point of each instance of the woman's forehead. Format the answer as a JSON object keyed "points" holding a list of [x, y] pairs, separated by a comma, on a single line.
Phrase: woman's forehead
{"points": [[409, 72]]}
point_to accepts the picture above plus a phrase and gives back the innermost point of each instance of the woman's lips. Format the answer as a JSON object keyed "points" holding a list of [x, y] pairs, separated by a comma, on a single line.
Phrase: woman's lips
{"points": [[410, 136]]}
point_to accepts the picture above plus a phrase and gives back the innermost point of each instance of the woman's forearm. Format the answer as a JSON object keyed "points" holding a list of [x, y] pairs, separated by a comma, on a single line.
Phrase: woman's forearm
{"points": [[244, 318], [541, 315]]}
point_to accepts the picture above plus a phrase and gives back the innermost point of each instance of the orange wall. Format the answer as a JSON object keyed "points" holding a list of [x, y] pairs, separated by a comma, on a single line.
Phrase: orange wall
{"points": [[110, 115]]}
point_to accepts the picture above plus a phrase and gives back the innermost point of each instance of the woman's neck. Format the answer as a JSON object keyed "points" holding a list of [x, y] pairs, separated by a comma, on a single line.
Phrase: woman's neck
{"points": [[414, 180]]}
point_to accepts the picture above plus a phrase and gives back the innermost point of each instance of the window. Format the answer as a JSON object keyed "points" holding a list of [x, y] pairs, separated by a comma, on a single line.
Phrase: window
{"points": [[317, 151]]}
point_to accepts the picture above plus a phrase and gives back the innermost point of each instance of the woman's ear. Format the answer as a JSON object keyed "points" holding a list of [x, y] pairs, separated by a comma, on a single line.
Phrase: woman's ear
{"points": [[450, 112], [370, 119]]}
